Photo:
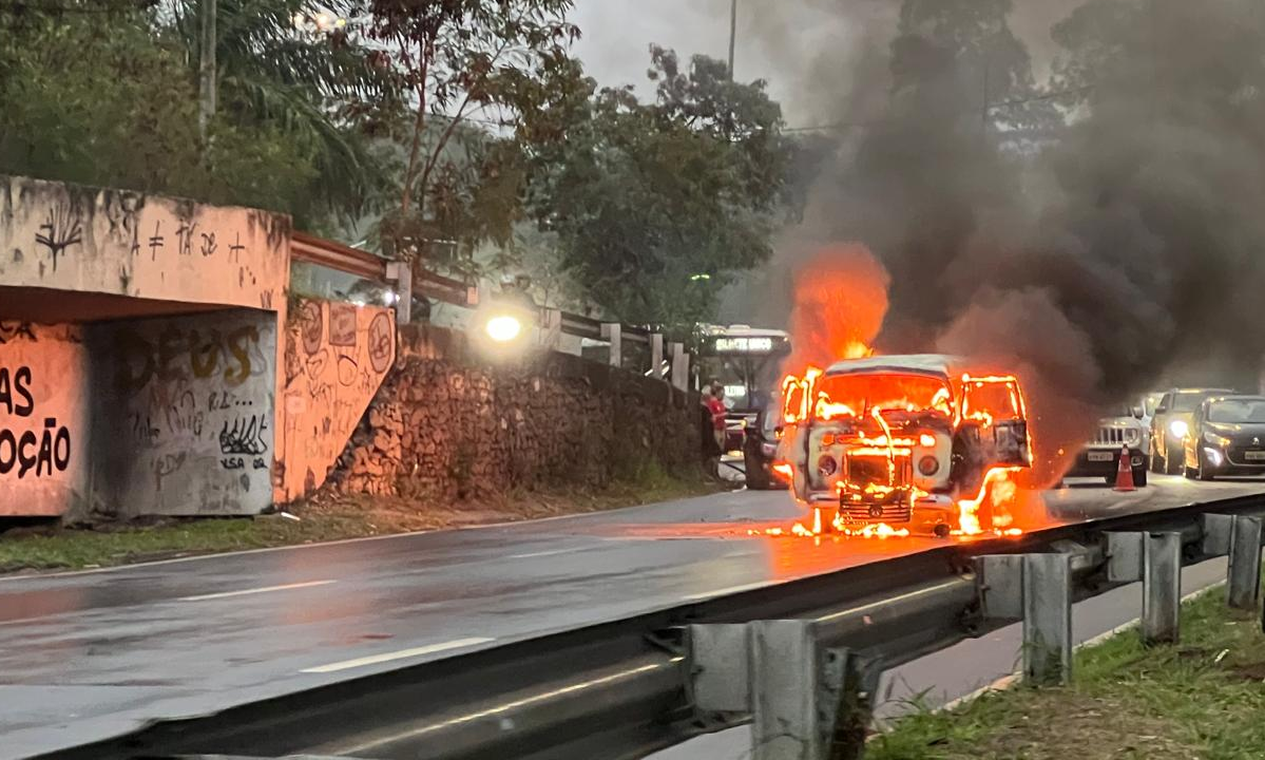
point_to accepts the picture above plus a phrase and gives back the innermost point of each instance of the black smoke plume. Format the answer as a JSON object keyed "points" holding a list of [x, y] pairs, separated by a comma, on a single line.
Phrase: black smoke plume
{"points": [[1104, 230]]}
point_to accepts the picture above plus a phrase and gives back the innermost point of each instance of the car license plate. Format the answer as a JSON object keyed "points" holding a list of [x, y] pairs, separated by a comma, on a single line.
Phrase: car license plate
{"points": [[1107, 456], [1255, 456]]}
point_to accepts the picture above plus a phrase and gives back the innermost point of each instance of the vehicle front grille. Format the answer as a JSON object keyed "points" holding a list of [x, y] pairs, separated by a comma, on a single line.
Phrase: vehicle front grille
{"points": [[1115, 436], [892, 514]]}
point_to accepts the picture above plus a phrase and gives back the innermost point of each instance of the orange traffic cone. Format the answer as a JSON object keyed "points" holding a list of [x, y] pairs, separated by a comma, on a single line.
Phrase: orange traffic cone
{"points": [[1124, 473]]}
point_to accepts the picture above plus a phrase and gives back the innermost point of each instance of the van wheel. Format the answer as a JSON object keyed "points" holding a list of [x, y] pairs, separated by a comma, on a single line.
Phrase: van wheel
{"points": [[756, 477]]}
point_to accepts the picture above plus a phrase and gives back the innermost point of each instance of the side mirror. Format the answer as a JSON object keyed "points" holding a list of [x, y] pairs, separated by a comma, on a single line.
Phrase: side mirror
{"points": [[1161, 410], [1139, 412]]}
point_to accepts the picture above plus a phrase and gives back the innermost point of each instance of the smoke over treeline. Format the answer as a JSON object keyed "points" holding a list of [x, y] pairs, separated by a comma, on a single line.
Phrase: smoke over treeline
{"points": [[1104, 230]]}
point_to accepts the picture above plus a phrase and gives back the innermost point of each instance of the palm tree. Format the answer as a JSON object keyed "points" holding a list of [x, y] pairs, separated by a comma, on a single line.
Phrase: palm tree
{"points": [[274, 69]]}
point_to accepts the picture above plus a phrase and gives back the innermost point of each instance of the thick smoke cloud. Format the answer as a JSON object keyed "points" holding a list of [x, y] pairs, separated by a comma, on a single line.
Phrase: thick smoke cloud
{"points": [[1107, 239]]}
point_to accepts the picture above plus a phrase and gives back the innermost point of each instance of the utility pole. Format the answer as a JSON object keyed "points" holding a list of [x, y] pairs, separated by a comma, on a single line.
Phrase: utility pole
{"points": [[733, 35], [207, 69]]}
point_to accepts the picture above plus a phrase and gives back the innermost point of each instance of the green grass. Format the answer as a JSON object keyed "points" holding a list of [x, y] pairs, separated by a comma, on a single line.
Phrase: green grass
{"points": [[1204, 698], [77, 549], [353, 517]]}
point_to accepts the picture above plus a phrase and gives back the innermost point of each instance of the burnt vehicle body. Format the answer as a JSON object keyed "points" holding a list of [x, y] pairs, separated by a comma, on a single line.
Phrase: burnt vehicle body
{"points": [[1226, 437], [899, 440], [1100, 457]]}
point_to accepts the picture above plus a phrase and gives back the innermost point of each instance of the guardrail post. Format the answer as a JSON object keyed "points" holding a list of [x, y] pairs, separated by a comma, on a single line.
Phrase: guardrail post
{"points": [[1036, 588], [1243, 583], [785, 677], [550, 328], [680, 366], [1161, 588], [807, 702], [1156, 560], [720, 672], [613, 333], [400, 274], [1047, 619], [656, 356]]}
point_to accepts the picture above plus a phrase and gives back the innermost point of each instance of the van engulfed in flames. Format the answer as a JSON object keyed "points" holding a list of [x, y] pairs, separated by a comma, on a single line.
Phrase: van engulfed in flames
{"points": [[897, 445]]}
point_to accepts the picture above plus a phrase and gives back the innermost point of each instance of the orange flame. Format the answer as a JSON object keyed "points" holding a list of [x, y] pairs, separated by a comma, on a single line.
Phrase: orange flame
{"points": [[880, 531], [828, 410], [999, 489], [840, 304]]}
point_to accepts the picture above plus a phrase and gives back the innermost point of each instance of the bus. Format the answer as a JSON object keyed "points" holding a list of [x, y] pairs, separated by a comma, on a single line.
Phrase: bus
{"points": [[748, 362]]}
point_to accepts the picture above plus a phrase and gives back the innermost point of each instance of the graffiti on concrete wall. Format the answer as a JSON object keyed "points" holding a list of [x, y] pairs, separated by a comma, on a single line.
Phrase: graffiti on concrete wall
{"points": [[42, 419], [192, 398], [40, 453], [84, 239], [336, 357]]}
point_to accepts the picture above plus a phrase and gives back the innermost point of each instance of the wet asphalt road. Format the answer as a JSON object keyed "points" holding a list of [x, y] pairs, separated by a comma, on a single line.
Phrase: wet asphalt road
{"points": [[84, 656]]}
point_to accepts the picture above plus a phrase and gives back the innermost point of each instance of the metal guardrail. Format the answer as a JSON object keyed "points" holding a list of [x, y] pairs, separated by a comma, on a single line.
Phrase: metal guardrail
{"points": [[799, 661], [353, 261], [341, 258]]}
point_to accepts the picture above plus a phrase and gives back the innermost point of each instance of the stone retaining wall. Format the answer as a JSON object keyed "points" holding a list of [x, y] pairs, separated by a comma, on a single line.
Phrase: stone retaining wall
{"points": [[448, 426]]}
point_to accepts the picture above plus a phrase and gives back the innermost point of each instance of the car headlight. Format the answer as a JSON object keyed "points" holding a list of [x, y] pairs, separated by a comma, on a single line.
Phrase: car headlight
{"points": [[1131, 435], [1179, 428]]}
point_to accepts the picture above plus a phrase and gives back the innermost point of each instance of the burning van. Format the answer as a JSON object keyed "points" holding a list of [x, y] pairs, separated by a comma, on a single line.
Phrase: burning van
{"points": [[905, 443]]}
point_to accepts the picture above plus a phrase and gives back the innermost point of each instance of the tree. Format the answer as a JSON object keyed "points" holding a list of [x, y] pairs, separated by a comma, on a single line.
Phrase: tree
{"points": [[456, 59], [105, 92], [1093, 39], [300, 67], [656, 206], [971, 41]]}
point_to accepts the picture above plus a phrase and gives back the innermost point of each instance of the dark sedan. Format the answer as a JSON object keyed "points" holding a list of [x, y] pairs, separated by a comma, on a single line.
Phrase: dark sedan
{"points": [[1227, 437]]}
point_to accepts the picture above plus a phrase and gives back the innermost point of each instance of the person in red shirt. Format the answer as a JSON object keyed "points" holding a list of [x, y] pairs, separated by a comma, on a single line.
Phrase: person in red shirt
{"points": [[714, 400], [712, 440], [716, 405]]}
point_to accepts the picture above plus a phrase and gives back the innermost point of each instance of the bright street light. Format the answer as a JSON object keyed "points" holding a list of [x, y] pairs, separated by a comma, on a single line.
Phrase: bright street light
{"points": [[504, 329]]}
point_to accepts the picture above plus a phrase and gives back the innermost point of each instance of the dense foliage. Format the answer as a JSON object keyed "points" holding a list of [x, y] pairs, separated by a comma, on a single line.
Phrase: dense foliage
{"points": [[105, 92], [450, 128]]}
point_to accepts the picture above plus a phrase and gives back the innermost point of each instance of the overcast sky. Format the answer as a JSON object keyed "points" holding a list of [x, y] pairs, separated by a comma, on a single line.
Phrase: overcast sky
{"points": [[783, 41], [617, 35]]}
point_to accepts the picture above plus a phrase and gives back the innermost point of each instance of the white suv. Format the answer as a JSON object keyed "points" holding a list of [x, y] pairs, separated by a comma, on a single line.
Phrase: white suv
{"points": [[1101, 456]]}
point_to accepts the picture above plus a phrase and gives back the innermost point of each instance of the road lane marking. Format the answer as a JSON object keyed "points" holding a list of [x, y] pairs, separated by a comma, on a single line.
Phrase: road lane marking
{"points": [[403, 654], [729, 591], [553, 553], [251, 591]]}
